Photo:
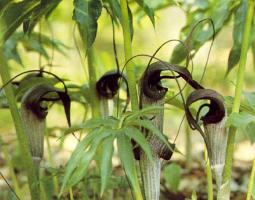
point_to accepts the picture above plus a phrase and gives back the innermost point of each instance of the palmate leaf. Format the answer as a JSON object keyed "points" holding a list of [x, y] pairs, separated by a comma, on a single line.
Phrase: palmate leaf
{"points": [[139, 138], [152, 128], [86, 14], [145, 111], [125, 152], [13, 15], [93, 123], [81, 157], [106, 162]]}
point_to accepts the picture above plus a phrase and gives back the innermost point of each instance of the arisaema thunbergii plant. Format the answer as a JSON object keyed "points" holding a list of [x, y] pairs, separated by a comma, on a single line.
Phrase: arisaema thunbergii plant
{"points": [[153, 93], [34, 92], [34, 111], [214, 132], [102, 132]]}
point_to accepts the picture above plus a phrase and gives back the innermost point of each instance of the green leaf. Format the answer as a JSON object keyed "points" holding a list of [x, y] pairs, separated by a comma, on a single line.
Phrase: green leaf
{"points": [[146, 6], [82, 156], [233, 58], [86, 14], [42, 10], [219, 12], [77, 155], [130, 20], [172, 175], [145, 111], [31, 43], [13, 15], [240, 120], [106, 162], [239, 22], [179, 54], [250, 99], [114, 7], [153, 129], [93, 123], [138, 137], [250, 131], [125, 152], [116, 13], [10, 50]]}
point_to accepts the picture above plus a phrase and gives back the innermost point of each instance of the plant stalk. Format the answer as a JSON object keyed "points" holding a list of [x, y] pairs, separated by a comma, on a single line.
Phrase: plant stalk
{"points": [[20, 131], [94, 99], [128, 54], [51, 162], [209, 177], [238, 91], [251, 182]]}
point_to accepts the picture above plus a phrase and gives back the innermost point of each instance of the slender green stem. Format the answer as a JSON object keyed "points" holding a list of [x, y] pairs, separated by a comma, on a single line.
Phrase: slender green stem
{"points": [[51, 162], [238, 90], [128, 55], [209, 177], [94, 99], [251, 182], [20, 131], [71, 194], [188, 146]]}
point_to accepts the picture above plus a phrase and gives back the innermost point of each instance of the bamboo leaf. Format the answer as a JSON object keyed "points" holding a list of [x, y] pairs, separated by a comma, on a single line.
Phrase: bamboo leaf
{"points": [[86, 14], [138, 137], [127, 161], [106, 162], [13, 15]]}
